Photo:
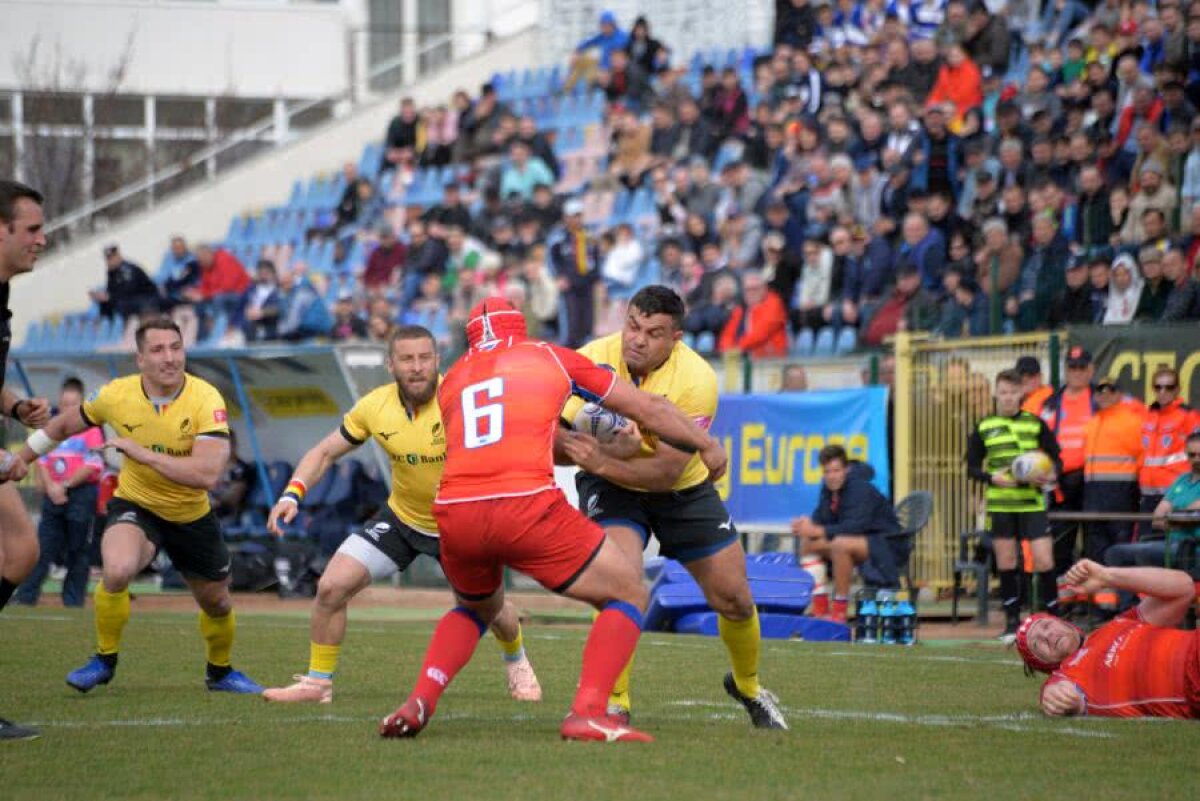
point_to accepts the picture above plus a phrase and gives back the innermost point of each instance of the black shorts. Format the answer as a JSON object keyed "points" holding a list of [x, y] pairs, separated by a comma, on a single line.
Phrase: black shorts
{"points": [[690, 524], [1024, 525], [197, 549], [388, 545]]}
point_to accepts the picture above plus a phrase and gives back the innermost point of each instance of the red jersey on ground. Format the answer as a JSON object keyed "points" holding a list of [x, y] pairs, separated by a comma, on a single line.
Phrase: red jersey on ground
{"points": [[500, 406], [1129, 668]]}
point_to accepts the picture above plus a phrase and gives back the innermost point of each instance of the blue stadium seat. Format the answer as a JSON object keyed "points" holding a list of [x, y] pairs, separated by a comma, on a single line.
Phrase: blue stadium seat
{"points": [[706, 342], [847, 340], [802, 345], [823, 346]]}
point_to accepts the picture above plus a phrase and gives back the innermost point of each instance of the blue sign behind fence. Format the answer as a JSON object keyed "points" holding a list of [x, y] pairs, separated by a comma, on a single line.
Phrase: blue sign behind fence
{"points": [[773, 442]]}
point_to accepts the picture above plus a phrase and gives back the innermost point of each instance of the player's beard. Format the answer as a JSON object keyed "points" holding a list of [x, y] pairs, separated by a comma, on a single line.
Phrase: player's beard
{"points": [[417, 395]]}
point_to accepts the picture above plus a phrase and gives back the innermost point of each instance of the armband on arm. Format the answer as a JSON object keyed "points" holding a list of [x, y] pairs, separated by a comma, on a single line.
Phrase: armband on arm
{"points": [[40, 443], [295, 491]]}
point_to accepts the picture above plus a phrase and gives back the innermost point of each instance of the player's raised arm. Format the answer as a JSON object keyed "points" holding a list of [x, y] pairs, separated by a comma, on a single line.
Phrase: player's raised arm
{"points": [[1168, 593], [312, 467]]}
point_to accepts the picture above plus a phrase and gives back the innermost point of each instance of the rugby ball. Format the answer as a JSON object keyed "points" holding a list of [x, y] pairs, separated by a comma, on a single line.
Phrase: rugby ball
{"points": [[1032, 466], [599, 422]]}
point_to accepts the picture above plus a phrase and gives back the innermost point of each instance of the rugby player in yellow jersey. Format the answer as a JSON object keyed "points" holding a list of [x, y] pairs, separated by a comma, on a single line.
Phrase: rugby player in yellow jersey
{"points": [[406, 421], [655, 487], [173, 431]]}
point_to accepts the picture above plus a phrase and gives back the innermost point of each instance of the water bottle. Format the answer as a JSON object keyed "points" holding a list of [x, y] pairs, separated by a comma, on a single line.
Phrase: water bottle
{"points": [[866, 621], [887, 619], [908, 621], [283, 572]]}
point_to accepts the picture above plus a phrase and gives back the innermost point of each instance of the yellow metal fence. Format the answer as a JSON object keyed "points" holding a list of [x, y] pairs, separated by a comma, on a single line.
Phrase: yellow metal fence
{"points": [[942, 389]]}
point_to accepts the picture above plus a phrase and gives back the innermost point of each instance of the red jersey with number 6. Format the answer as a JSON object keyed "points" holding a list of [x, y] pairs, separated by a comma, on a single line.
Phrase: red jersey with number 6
{"points": [[500, 406]]}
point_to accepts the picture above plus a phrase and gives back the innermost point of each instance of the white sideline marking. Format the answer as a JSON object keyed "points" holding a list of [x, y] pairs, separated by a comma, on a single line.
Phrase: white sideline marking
{"points": [[923, 658], [1010, 722]]}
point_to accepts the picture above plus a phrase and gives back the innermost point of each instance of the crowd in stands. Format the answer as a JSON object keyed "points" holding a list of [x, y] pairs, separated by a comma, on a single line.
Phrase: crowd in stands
{"points": [[942, 165]]}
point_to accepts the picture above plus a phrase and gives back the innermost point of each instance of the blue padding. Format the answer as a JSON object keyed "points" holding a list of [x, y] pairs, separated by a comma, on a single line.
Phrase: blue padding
{"points": [[775, 587], [774, 627]]}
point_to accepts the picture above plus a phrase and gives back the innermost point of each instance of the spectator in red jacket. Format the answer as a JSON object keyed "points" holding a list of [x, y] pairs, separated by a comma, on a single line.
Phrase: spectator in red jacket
{"points": [[959, 83], [758, 325], [222, 287]]}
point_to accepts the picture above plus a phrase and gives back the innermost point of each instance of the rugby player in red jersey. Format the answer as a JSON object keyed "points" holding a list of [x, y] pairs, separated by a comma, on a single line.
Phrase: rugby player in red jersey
{"points": [[1137, 665], [498, 506]]}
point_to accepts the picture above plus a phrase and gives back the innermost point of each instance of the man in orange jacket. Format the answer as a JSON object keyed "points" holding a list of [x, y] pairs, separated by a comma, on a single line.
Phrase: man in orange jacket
{"points": [[1034, 391], [758, 325], [1112, 453], [1067, 412], [1165, 429]]}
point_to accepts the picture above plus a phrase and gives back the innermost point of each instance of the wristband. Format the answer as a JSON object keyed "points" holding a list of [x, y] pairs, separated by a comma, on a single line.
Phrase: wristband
{"points": [[290, 497], [297, 488], [12, 411], [40, 443]]}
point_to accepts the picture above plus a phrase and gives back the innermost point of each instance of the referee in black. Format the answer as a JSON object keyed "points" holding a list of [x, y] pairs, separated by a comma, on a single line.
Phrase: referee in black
{"points": [[22, 238], [1015, 510]]}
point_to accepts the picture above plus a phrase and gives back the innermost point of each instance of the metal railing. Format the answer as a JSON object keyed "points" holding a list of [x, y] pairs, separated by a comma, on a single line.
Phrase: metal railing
{"points": [[221, 156]]}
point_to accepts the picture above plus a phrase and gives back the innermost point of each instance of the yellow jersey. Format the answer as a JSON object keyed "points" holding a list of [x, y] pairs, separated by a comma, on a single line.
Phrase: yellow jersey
{"points": [[171, 428], [685, 379], [416, 446]]}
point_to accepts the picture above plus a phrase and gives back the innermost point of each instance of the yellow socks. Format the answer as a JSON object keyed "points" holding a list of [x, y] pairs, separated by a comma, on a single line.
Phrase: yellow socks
{"points": [[218, 637], [620, 690], [112, 613], [322, 660], [742, 638], [513, 649]]}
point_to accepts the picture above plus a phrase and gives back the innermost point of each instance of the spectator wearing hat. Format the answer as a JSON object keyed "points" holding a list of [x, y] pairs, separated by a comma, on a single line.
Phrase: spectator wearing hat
{"points": [[607, 40], [128, 291], [1183, 299], [1124, 291], [1034, 390], [1112, 452], [1152, 301], [384, 261], [574, 259], [347, 323], [1073, 305]]}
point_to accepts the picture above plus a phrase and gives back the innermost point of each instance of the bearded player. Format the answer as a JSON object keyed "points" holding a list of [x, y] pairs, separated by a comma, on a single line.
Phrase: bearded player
{"points": [[1137, 665], [404, 418], [498, 506], [662, 488], [174, 433]]}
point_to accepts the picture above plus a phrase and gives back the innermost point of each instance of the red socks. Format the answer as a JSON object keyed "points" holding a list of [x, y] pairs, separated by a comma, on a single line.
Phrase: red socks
{"points": [[449, 651], [610, 645]]}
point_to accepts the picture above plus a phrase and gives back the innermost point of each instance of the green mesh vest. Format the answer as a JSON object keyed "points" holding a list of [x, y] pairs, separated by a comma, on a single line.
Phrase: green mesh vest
{"points": [[1006, 438]]}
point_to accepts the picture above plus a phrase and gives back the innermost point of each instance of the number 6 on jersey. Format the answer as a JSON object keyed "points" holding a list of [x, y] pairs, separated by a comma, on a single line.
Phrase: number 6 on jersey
{"points": [[476, 435]]}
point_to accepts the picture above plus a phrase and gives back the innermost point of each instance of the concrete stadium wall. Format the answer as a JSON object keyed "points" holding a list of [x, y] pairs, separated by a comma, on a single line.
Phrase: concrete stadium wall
{"points": [[251, 50], [60, 282]]}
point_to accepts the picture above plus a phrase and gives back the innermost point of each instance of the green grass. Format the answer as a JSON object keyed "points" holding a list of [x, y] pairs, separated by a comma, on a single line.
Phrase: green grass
{"points": [[937, 721]]}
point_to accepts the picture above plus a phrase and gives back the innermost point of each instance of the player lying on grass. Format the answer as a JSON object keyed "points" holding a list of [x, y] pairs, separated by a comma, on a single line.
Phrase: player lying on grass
{"points": [[173, 432], [498, 506], [1137, 665], [404, 418]]}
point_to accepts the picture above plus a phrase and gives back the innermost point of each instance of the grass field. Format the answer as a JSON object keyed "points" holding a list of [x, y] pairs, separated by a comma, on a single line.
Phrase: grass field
{"points": [[936, 721]]}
